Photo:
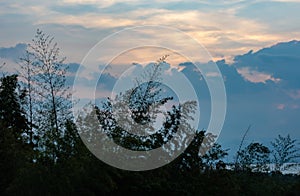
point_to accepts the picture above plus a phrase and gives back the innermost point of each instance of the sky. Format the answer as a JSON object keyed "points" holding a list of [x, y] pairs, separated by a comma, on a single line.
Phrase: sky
{"points": [[251, 42]]}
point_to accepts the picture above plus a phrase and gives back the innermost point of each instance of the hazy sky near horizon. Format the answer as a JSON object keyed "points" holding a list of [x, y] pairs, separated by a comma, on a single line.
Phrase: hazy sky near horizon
{"points": [[262, 88]]}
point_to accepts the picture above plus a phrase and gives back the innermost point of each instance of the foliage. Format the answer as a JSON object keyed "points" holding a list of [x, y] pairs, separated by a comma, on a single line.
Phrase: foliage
{"points": [[213, 158], [27, 81], [48, 96], [27, 169], [13, 128], [137, 108], [254, 157], [284, 150]]}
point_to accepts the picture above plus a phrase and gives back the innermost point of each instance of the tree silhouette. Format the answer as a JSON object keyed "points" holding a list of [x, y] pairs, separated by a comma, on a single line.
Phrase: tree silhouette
{"points": [[213, 157], [13, 128], [284, 150], [27, 74], [140, 106], [48, 103], [255, 157]]}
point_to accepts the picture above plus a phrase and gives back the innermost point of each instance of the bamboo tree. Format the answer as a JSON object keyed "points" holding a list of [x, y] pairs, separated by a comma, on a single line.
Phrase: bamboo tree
{"points": [[53, 104], [27, 74]]}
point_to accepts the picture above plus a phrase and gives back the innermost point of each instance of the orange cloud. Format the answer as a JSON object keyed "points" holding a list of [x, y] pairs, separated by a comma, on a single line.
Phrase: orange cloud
{"points": [[256, 76]]}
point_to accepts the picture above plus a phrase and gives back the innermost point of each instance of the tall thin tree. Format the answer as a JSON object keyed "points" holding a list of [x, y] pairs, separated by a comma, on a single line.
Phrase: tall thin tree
{"points": [[27, 77], [50, 77]]}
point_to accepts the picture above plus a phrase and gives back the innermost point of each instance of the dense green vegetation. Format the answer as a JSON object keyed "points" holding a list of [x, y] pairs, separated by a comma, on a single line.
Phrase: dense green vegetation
{"points": [[41, 152]]}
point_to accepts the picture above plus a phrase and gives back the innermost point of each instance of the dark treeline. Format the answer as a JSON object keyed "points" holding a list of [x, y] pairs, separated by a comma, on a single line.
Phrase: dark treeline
{"points": [[41, 151]]}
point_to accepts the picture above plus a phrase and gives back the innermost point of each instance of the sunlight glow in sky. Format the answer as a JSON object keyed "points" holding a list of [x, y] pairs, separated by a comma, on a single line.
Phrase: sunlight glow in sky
{"points": [[225, 28]]}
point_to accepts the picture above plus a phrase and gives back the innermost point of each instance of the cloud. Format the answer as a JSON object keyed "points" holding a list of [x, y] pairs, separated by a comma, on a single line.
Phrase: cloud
{"points": [[13, 53], [75, 9], [221, 32], [286, 1], [88, 21], [212, 74], [101, 4], [215, 29], [280, 17], [106, 81], [256, 76], [294, 94], [271, 106], [280, 106], [226, 28], [73, 67], [280, 61], [217, 25]]}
